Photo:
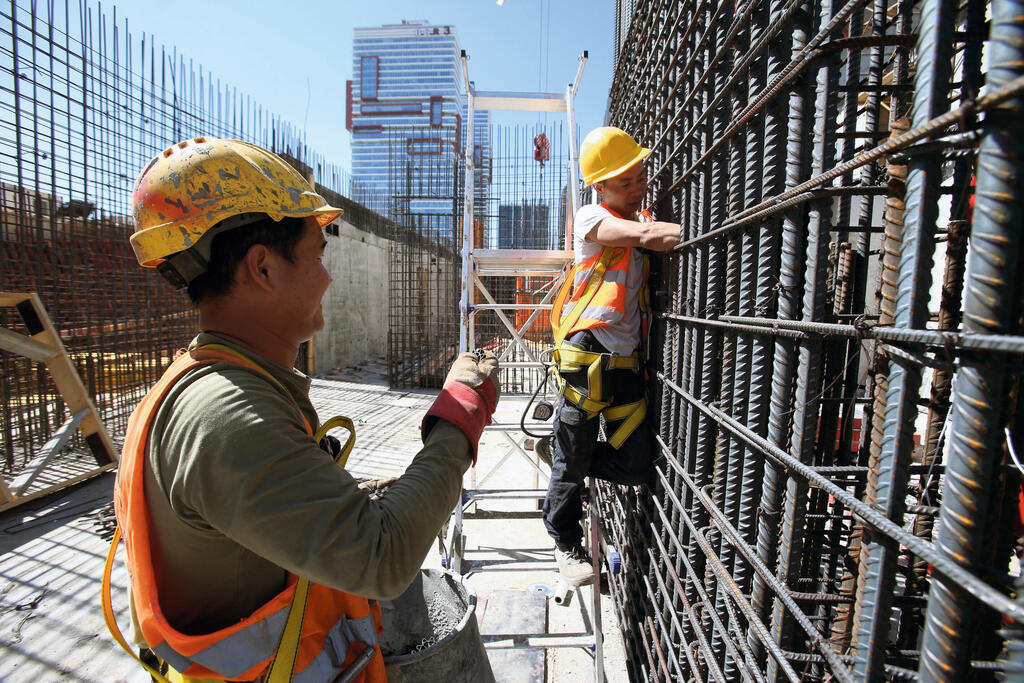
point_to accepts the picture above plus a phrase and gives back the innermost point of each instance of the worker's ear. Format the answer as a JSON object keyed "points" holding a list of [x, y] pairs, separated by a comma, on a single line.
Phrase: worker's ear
{"points": [[256, 266], [599, 188]]}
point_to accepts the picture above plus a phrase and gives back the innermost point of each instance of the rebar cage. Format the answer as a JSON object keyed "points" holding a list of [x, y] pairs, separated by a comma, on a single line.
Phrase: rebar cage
{"points": [[84, 106], [838, 352], [425, 179]]}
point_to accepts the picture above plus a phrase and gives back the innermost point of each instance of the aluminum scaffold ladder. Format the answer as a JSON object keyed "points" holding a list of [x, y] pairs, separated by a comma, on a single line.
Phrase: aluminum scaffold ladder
{"points": [[479, 263]]}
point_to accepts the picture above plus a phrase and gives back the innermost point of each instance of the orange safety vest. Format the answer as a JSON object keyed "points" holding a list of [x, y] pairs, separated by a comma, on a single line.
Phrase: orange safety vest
{"points": [[607, 272], [337, 627]]}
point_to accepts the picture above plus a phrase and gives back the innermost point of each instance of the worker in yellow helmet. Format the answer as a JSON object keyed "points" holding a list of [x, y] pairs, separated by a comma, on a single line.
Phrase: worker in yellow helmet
{"points": [[252, 554], [599, 324]]}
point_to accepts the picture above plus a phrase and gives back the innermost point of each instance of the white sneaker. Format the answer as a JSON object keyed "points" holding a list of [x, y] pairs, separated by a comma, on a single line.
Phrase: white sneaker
{"points": [[574, 565]]}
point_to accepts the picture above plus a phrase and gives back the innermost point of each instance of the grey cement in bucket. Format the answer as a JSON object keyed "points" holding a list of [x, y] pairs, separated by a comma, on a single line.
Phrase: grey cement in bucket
{"points": [[431, 633]]}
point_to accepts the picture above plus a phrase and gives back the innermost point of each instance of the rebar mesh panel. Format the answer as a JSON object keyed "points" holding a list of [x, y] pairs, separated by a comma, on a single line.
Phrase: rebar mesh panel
{"points": [[84, 105], [425, 175], [834, 398]]}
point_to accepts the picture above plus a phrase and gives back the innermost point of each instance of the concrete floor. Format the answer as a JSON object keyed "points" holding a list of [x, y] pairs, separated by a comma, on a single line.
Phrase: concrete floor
{"points": [[52, 550]]}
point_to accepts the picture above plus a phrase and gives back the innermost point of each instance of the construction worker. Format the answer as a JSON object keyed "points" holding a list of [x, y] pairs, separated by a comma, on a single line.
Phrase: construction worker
{"points": [[599, 329], [252, 555]]}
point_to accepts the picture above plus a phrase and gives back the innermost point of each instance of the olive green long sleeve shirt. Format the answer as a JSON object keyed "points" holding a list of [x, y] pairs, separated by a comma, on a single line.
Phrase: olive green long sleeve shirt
{"points": [[239, 494]]}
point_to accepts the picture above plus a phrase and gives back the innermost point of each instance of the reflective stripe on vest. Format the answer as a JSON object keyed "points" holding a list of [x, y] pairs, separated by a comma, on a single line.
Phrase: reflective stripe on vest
{"points": [[608, 303], [337, 627], [615, 276], [336, 649], [233, 655]]}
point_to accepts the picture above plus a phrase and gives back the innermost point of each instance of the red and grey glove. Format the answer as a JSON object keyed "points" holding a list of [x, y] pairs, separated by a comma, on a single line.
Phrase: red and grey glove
{"points": [[468, 398]]}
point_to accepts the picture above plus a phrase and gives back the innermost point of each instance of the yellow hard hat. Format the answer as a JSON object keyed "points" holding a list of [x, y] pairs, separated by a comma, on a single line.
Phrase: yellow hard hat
{"points": [[195, 185], [608, 151]]}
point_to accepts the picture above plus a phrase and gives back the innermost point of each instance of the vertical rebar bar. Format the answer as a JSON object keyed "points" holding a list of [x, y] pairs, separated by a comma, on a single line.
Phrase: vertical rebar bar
{"points": [[805, 400], [951, 297], [914, 279], [775, 300], [758, 252], [976, 435]]}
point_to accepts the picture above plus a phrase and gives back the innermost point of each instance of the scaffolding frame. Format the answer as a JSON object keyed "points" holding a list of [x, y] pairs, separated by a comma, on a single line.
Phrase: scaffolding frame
{"points": [[480, 263]]}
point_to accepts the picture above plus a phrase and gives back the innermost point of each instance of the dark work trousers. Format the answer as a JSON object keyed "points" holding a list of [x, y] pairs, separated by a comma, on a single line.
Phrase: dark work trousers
{"points": [[578, 453]]}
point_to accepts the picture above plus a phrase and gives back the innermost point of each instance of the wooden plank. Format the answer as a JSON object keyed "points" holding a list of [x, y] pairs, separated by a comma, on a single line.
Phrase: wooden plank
{"points": [[20, 500], [520, 665], [519, 262], [46, 453], [518, 101], [515, 612], [13, 298], [65, 377], [26, 346]]}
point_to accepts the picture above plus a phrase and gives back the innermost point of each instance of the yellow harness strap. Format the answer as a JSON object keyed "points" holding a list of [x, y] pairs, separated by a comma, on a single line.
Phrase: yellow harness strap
{"points": [[632, 413], [586, 403], [339, 421], [108, 609], [570, 358], [282, 668]]}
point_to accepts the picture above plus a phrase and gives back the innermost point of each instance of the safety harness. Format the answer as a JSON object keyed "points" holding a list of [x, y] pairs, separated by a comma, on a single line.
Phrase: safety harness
{"points": [[569, 358]]}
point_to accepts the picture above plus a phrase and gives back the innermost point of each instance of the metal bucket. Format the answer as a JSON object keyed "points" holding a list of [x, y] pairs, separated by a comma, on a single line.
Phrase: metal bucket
{"points": [[431, 632]]}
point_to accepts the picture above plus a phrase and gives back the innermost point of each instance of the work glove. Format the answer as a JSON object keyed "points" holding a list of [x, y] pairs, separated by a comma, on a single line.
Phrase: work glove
{"points": [[468, 398], [377, 487]]}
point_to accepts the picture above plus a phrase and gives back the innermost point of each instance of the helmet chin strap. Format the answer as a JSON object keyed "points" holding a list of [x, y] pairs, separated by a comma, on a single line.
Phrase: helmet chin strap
{"points": [[183, 267]]}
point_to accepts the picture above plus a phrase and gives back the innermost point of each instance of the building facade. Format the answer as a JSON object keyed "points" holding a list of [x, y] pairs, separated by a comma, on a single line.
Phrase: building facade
{"points": [[523, 226], [406, 111]]}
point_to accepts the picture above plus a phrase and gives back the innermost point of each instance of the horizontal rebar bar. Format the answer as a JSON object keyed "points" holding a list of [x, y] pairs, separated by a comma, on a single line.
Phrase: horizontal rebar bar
{"points": [[797, 194], [924, 549], [759, 567]]}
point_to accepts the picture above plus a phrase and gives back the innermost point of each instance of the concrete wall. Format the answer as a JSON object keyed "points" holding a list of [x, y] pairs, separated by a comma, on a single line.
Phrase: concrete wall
{"points": [[356, 303]]}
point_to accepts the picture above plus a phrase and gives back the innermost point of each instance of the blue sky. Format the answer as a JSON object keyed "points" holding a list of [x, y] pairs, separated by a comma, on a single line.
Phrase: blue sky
{"points": [[295, 58]]}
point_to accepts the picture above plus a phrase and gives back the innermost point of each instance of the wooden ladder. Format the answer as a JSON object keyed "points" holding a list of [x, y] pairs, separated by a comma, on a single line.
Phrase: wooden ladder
{"points": [[43, 344]]}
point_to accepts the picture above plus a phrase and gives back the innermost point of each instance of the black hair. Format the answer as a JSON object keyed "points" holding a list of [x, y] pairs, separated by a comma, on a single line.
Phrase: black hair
{"points": [[229, 248]]}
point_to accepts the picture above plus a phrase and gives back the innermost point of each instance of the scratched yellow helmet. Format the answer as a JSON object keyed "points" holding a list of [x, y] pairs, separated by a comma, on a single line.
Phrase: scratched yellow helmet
{"points": [[608, 151], [197, 188]]}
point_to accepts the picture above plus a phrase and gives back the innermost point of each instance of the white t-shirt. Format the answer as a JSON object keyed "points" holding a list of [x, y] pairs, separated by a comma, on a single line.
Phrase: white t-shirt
{"points": [[621, 337]]}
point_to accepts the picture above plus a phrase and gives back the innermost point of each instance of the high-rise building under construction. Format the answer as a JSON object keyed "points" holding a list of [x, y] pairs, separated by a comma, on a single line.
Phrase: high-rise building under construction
{"points": [[407, 98]]}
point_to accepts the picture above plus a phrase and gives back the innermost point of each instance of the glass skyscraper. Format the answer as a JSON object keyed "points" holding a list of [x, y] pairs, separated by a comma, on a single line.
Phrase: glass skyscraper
{"points": [[406, 108], [523, 226]]}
